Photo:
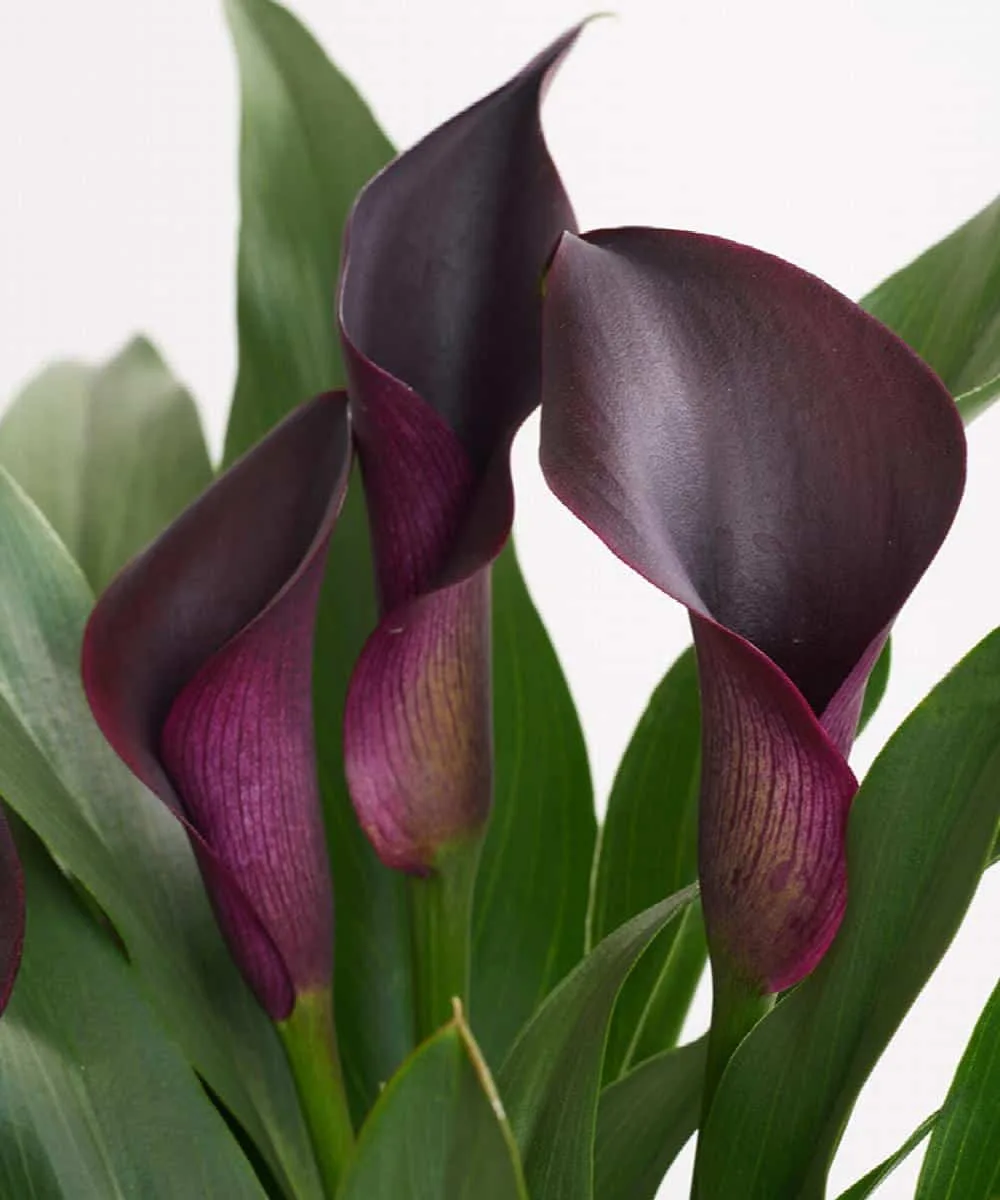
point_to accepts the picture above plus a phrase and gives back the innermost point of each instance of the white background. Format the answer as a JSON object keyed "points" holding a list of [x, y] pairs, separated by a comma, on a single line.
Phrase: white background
{"points": [[843, 136]]}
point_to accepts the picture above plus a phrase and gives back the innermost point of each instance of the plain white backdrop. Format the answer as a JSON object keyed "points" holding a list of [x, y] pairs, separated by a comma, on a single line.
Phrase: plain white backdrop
{"points": [[845, 136]]}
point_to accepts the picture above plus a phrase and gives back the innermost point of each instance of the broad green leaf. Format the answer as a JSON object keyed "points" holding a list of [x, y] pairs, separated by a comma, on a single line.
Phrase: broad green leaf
{"points": [[643, 1121], [534, 875], [123, 845], [870, 1183], [919, 835], [963, 1158], [946, 305], [551, 1079], [111, 455], [308, 143], [438, 1131], [95, 1099], [649, 850], [42, 435]]}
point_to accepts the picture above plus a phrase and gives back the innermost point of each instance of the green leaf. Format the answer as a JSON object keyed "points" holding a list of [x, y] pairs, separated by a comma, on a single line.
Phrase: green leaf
{"points": [[534, 875], [649, 850], [111, 455], [878, 681], [438, 1131], [123, 845], [946, 306], [919, 835], [95, 1099], [871, 1182], [644, 1120], [551, 1079], [42, 439], [963, 1158], [308, 143]]}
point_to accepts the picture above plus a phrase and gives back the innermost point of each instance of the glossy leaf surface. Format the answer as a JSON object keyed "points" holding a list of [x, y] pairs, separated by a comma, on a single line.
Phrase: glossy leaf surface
{"points": [[534, 874], [946, 305], [919, 835], [110, 454], [95, 1098], [963, 1158], [648, 850], [438, 1131], [644, 1120], [551, 1079], [298, 180], [121, 843]]}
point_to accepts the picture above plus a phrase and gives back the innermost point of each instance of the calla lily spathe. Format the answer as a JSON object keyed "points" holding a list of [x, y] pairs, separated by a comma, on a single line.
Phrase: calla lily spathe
{"points": [[440, 316], [197, 663], [765, 452]]}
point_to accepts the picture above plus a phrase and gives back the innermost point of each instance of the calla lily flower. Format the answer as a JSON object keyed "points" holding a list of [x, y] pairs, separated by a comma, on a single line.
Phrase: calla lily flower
{"points": [[440, 316], [766, 453], [11, 912], [197, 662]]}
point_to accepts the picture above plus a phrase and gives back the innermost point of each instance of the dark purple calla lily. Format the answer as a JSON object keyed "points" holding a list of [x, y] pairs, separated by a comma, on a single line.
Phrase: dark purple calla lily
{"points": [[11, 912], [440, 303], [197, 662], [763, 451]]}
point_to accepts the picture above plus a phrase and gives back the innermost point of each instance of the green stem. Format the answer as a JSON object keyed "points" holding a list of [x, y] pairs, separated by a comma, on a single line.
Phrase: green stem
{"points": [[310, 1041], [736, 1008], [441, 931]]}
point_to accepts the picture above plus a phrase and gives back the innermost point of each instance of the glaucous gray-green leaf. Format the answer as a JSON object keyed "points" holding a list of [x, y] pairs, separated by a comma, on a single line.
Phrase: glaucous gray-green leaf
{"points": [[920, 832], [95, 1099], [123, 845], [534, 874], [946, 306], [550, 1080], [870, 1183], [648, 850], [643, 1121], [308, 142], [963, 1158], [110, 454], [438, 1131]]}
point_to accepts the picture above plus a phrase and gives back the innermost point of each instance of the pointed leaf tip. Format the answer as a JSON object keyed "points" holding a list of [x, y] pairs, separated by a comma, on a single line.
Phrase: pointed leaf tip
{"points": [[440, 310], [763, 451], [197, 666]]}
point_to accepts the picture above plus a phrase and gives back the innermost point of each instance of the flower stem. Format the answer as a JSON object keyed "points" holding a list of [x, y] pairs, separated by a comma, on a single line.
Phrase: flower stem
{"points": [[310, 1041], [736, 1008], [441, 930]]}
